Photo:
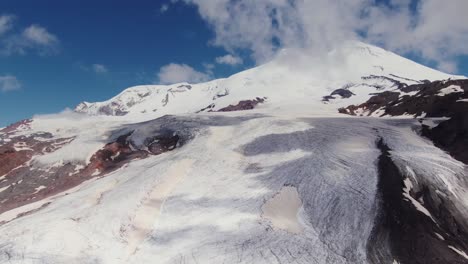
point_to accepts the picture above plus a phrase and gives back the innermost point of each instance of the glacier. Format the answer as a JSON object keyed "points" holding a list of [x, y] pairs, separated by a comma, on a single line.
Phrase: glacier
{"points": [[291, 181]]}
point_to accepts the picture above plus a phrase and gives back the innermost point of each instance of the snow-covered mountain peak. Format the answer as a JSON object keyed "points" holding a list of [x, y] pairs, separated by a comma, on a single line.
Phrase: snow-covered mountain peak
{"points": [[294, 77]]}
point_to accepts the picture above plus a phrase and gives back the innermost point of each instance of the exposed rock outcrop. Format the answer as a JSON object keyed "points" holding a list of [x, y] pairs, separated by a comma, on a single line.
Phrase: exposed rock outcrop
{"points": [[342, 92], [451, 135], [243, 105], [376, 102], [22, 181], [21, 125], [412, 234], [428, 99], [434, 99]]}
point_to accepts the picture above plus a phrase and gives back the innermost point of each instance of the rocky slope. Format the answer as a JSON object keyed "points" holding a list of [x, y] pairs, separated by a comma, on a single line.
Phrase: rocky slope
{"points": [[446, 99], [430, 99]]}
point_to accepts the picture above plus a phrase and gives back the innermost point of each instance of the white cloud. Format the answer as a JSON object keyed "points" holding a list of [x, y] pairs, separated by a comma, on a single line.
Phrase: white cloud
{"points": [[164, 8], [9, 83], [39, 35], [6, 23], [264, 26], [175, 73], [436, 30], [34, 38], [99, 68], [229, 60]]}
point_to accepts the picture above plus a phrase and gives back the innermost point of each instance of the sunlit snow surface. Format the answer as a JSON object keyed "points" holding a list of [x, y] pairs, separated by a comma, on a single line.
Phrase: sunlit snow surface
{"points": [[292, 77], [203, 202]]}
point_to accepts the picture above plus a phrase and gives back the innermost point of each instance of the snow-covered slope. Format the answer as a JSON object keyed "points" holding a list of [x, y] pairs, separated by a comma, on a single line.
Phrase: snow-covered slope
{"points": [[158, 175], [225, 196], [292, 79]]}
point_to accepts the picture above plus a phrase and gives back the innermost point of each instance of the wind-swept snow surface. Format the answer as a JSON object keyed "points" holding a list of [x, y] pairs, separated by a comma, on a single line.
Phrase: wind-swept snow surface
{"points": [[250, 188]]}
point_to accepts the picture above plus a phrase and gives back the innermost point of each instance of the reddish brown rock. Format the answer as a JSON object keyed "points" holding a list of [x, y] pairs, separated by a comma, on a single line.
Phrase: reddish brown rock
{"points": [[14, 127], [28, 147], [243, 105], [22, 180], [113, 156], [11, 159], [26, 183]]}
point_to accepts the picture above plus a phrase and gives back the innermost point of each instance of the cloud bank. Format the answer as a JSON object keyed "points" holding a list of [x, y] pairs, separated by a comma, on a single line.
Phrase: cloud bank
{"points": [[435, 30]]}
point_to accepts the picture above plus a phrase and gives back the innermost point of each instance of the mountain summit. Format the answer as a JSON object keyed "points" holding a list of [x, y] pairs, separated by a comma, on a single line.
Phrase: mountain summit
{"points": [[293, 77]]}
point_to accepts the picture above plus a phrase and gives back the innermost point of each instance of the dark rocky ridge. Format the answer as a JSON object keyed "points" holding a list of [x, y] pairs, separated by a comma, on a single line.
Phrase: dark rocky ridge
{"points": [[410, 235], [450, 135], [375, 81], [209, 108], [426, 100], [396, 83], [240, 106]]}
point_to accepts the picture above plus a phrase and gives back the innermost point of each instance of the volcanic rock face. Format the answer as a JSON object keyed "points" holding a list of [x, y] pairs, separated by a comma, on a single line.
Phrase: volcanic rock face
{"points": [[24, 181], [411, 223], [19, 181], [344, 93], [120, 152], [160, 144], [113, 156], [430, 99], [374, 103], [451, 135], [243, 105]]}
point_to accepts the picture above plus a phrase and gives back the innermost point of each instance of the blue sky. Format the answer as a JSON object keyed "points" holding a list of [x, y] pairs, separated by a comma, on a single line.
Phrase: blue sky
{"points": [[91, 50], [132, 42]]}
